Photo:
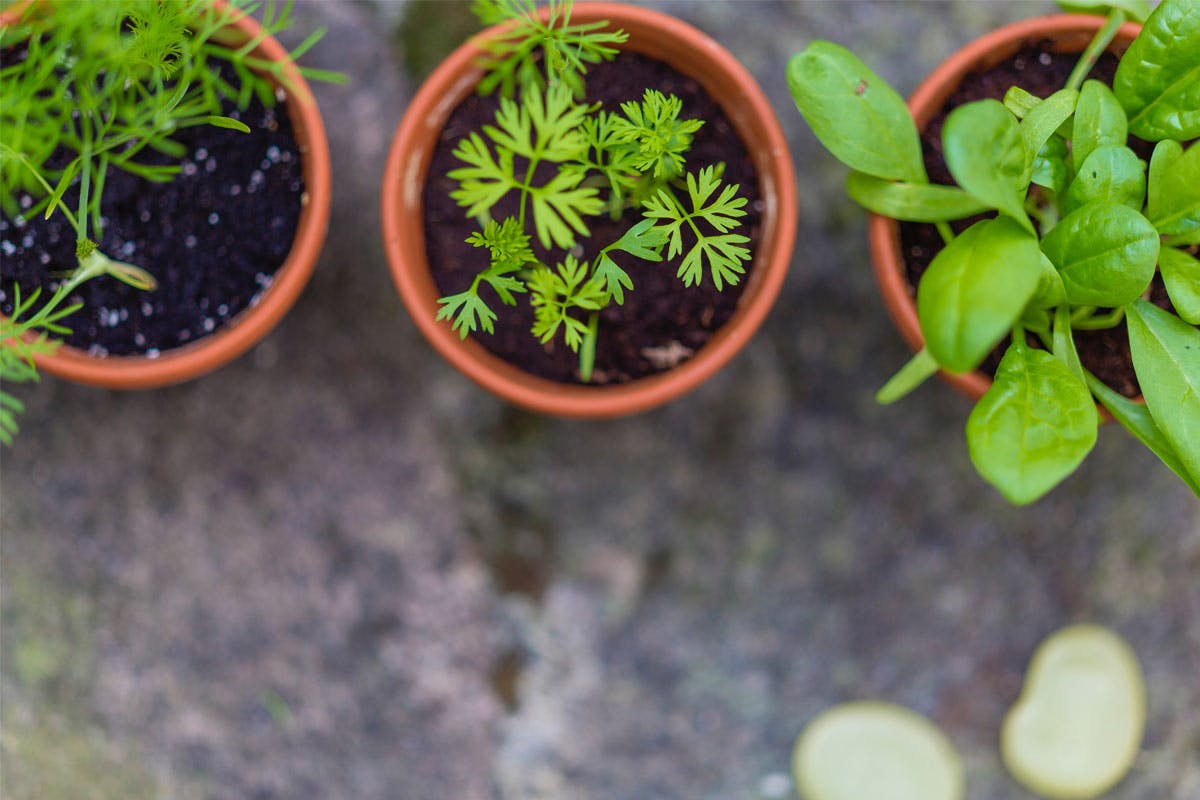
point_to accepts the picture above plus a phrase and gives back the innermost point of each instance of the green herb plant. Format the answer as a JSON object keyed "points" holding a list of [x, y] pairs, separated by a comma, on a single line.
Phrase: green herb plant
{"points": [[105, 83], [567, 161], [1078, 226]]}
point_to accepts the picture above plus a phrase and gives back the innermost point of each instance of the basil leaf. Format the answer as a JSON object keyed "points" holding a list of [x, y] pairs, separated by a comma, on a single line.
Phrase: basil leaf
{"points": [[1166, 358], [1099, 122], [1158, 79], [974, 291], [1181, 274], [1019, 101], [855, 114], [1115, 174], [1136, 419], [1033, 426], [987, 156], [1105, 252], [1044, 119], [916, 202], [1173, 193], [1135, 9]]}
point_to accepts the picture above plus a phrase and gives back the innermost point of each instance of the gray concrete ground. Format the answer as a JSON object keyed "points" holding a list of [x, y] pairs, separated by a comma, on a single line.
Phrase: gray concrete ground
{"points": [[335, 569]]}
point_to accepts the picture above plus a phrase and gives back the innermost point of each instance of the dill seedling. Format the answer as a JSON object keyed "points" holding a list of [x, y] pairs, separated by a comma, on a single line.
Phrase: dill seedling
{"points": [[93, 86]]}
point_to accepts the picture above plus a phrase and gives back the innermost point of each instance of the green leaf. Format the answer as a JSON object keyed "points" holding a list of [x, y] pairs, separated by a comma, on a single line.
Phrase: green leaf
{"points": [[1033, 427], [1181, 274], [662, 140], [1136, 419], [915, 202], [722, 251], [1166, 358], [1114, 174], [227, 122], [1135, 9], [612, 278], [986, 155], [560, 205], [1050, 292], [1050, 168], [974, 291], [1158, 79], [1099, 122], [855, 114], [1105, 253], [1044, 119], [1173, 193], [468, 311], [1020, 102]]}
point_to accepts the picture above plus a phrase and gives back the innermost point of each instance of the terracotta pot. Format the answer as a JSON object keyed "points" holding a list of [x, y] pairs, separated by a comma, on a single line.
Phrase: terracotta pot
{"points": [[1069, 33], [247, 328], [690, 52]]}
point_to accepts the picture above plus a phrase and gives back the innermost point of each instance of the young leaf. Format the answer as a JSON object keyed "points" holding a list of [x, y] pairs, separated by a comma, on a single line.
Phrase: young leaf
{"points": [[1173, 191], [1136, 419], [723, 251], [1158, 79], [1099, 122], [974, 291], [915, 202], [1166, 359], [1181, 274], [987, 156], [855, 114], [560, 205], [1033, 427], [1114, 174], [1044, 119], [1050, 166], [1105, 253], [661, 139], [555, 294], [468, 311]]}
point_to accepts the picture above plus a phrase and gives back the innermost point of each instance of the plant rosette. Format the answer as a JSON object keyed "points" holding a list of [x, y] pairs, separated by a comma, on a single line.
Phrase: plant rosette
{"points": [[685, 50], [208, 352], [1072, 228]]}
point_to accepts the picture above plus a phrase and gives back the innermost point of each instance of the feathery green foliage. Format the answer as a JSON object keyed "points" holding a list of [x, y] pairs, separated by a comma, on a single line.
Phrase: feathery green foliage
{"points": [[105, 83], [566, 161]]}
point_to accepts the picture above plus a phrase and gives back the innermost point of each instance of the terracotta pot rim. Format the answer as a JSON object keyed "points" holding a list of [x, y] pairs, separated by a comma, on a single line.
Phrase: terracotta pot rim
{"points": [[404, 178], [253, 323], [924, 103]]}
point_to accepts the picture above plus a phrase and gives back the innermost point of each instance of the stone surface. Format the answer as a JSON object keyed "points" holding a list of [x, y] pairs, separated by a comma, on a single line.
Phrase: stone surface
{"points": [[336, 569]]}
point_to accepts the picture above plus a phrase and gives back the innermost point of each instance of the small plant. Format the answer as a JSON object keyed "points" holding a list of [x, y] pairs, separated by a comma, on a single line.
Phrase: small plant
{"points": [[567, 161], [1078, 225], [95, 86]]}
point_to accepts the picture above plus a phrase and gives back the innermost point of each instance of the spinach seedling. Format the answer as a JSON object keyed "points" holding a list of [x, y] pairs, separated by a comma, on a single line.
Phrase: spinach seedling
{"points": [[90, 87], [566, 161], [1078, 227]]}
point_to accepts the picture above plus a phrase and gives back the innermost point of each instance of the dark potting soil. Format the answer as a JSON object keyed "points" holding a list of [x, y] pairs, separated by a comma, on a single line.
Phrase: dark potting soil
{"points": [[1040, 71], [661, 322], [213, 237]]}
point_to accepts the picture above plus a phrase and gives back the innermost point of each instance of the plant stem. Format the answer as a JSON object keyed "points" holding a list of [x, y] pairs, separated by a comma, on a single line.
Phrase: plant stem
{"points": [[587, 350], [1095, 322], [946, 231], [1097, 46]]}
